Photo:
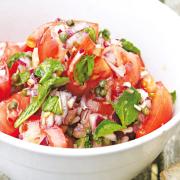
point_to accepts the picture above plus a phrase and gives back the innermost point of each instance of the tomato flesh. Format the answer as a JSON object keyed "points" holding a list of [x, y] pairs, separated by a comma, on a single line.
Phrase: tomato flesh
{"points": [[5, 83], [7, 118], [161, 111]]}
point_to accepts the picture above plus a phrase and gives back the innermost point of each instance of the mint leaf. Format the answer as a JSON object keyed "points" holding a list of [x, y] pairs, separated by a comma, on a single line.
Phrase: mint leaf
{"points": [[52, 104], [43, 92], [105, 34], [23, 78], [84, 69], [173, 95], [91, 32], [124, 107], [46, 69], [128, 46], [15, 57], [106, 127]]}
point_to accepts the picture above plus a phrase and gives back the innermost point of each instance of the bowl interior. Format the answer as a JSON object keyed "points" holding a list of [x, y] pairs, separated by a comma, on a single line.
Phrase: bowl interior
{"points": [[153, 27]]}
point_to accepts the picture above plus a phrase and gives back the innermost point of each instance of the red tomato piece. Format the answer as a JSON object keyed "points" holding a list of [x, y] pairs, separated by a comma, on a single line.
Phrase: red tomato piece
{"points": [[160, 113], [34, 38], [5, 83], [101, 71], [8, 117], [132, 63]]}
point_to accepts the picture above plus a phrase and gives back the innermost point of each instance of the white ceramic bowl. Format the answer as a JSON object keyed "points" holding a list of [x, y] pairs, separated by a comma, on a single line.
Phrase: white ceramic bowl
{"points": [[150, 25]]}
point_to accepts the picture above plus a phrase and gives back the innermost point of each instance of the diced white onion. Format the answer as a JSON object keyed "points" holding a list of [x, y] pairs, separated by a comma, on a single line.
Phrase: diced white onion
{"points": [[137, 107], [127, 84], [71, 102], [79, 26], [92, 120], [143, 73], [111, 137], [120, 71], [83, 102], [144, 94], [35, 58], [2, 72]]}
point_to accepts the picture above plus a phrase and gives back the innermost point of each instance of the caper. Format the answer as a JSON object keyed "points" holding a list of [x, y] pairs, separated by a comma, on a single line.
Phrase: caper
{"points": [[70, 131], [102, 83], [24, 92], [70, 22], [15, 78], [103, 92], [106, 142], [63, 36], [97, 91], [12, 105], [145, 111]]}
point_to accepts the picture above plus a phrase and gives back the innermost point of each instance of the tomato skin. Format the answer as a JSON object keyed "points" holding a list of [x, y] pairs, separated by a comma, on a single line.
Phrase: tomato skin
{"points": [[161, 111], [5, 83], [35, 37], [133, 63], [56, 137], [6, 121], [12, 48]]}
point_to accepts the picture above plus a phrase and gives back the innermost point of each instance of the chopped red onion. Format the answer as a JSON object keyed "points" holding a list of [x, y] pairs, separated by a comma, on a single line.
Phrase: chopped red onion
{"points": [[44, 141], [21, 62]]}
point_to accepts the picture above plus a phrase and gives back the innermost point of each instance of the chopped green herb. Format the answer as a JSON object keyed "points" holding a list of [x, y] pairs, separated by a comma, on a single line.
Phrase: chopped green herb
{"points": [[43, 91], [105, 34], [46, 69], [84, 142], [173, 95], [124, 107], [128, 46], [63, 36], [106, 127], [83, 69], [15, 57], [52, 104], [91, 32], [22, 78]]}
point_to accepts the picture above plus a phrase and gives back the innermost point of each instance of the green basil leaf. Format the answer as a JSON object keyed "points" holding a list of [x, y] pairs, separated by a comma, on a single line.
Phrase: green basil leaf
{"points": [[15, 57], [129, 46], [56, 82], [47, 68], [173, 95], [124, 107], [105, 34], [84, 69], [52, 104], [36, 103], [91, 32], [23, 78], [43, 91], [106, 127]]}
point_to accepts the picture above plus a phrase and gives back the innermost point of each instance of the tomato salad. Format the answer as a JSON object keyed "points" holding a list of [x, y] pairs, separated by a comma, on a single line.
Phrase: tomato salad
{"points": [[71, 85]]}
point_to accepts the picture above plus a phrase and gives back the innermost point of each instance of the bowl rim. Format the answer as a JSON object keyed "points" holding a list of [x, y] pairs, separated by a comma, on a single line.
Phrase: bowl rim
{"points": [[97, 151]]}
